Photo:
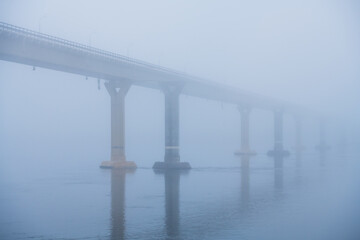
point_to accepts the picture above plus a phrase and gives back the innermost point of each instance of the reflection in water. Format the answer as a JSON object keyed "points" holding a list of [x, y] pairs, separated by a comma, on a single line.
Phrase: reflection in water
{"points": [[278, 171], [118, 177], [278, 161], [172, 218], [245, 159], [245, 182]]}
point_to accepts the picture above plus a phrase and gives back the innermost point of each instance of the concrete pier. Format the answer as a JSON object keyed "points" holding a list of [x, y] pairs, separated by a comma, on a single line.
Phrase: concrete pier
{"points": [[245, 129], [172, 148], [117, 91], [278, 138]]}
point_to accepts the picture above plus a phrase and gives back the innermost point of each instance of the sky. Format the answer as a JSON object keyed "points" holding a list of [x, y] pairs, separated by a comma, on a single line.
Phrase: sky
{"points": [[305, 52]]}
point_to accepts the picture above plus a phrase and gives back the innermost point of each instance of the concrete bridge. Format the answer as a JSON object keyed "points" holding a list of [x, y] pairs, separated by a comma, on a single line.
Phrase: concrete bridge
{"points": [[120, 73]]}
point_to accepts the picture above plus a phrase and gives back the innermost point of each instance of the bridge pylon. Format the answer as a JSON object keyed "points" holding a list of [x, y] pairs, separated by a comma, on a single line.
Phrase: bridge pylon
{"points": [[245, 130], [117, 91], [172, 157], [278, 152]]}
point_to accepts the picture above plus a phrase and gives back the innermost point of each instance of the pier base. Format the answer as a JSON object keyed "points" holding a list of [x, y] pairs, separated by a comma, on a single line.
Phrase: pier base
{"points": [[117, 91], [172, 148], [118, 164], [171, 165]]}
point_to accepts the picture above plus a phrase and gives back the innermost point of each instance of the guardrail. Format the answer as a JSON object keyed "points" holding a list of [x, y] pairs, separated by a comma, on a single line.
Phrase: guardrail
{"points": [[41, 37], [5, 27]]}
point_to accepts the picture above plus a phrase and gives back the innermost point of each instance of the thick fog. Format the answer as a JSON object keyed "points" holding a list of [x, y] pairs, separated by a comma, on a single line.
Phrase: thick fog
{"points": [[302, 52]]}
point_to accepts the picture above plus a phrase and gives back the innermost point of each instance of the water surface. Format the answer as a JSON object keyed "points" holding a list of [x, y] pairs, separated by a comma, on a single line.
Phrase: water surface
{"points": [[311, 201]]}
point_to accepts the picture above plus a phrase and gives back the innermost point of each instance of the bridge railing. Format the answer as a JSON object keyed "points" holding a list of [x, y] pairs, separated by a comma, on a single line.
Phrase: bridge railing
{"points": [[56, 41], [5, 27]]}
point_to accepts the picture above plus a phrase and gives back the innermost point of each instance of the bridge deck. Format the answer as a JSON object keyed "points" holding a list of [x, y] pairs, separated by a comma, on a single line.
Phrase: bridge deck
{"points": [[36, 49]]}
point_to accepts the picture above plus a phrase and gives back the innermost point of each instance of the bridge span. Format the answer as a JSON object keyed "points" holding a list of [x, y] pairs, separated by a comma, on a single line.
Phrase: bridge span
{"points": [[36, 49]]}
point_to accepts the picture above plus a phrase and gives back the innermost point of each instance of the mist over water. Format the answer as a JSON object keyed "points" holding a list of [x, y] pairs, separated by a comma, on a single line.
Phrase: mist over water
{"points": [[55, 126]]}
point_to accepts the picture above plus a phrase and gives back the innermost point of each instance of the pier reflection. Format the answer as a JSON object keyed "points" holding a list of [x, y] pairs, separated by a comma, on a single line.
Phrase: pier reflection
{"points": [[245, 182], [118, 180], [278, 172], [242, 208], [172, 208]]}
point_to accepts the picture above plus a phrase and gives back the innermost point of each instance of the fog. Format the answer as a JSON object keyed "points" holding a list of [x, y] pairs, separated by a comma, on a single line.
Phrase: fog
{"points": [[55, 126]]}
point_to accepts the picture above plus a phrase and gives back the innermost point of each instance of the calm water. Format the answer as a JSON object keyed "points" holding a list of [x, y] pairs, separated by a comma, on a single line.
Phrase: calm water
{"points": [[319, 200]]}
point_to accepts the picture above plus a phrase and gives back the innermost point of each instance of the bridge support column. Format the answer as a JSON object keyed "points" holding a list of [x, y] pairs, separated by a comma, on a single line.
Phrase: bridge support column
{"points": [[172, 157], [278, 139], [245, 125], [117, 91]]}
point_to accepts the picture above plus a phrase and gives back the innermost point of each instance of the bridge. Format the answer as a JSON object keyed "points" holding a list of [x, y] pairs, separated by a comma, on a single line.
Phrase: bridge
{"points": [[36, 49]]}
